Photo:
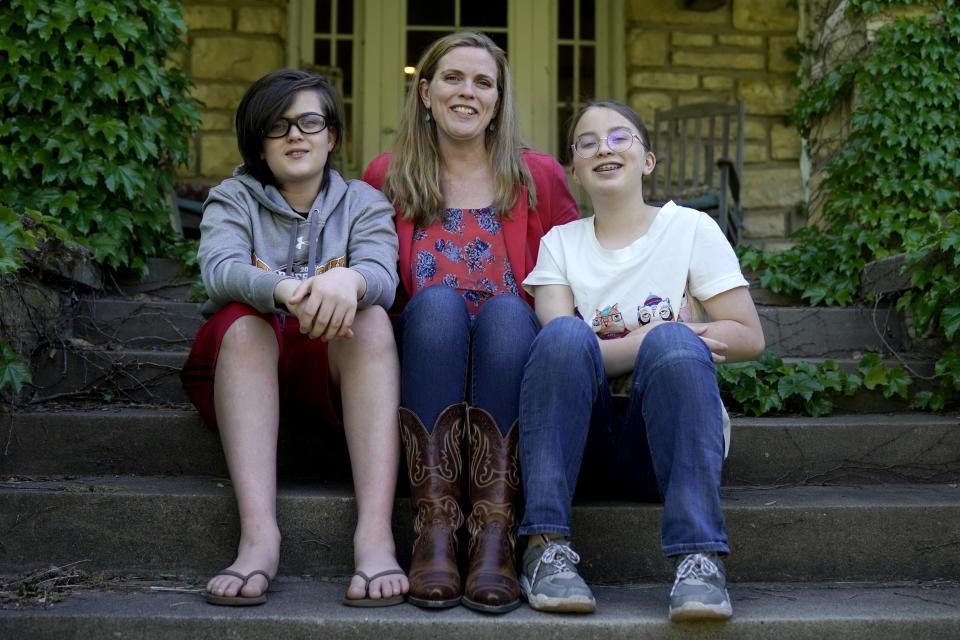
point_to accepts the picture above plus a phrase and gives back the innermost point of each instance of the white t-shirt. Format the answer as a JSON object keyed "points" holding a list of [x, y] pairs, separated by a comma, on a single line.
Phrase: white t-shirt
{"points": [[682, 259]]}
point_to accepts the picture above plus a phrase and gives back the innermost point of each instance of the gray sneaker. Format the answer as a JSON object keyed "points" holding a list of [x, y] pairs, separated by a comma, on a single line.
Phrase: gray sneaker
{"points": [[700, 589], [550, 581]]}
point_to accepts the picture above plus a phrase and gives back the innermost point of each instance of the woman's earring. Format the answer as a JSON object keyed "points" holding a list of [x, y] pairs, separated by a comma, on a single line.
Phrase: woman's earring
{"points": [[427, 117], [492, 126]]}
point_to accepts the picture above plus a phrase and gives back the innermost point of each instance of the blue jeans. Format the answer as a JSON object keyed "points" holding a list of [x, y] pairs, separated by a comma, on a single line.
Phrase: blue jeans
{"points": [[448, 357], [667, 445]]}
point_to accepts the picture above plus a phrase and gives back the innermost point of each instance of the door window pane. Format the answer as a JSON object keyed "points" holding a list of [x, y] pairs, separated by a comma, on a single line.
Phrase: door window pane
{"points": [[576, 63], [483, 15], [431, 12], [333, 55], [443, 18]]}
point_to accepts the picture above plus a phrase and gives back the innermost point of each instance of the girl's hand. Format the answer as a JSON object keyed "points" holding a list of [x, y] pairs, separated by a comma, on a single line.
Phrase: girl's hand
{"points": [[326, 304], [717, 349]]}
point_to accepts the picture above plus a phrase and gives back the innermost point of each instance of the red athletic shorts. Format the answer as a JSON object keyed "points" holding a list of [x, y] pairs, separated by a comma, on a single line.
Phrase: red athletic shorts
{"points": [[303, 370]]}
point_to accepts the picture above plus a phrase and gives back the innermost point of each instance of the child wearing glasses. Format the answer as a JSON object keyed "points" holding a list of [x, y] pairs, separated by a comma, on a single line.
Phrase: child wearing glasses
{"points": [[652, 291], [300, 267]]}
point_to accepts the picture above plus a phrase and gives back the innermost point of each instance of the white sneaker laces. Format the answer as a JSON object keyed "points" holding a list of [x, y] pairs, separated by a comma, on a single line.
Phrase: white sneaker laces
{"points": [[694, 567], [557, 556]]}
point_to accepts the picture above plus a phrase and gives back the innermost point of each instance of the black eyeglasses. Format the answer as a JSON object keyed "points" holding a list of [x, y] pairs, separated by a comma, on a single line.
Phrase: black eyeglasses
{"points": [[306, 122], [619, 140]]}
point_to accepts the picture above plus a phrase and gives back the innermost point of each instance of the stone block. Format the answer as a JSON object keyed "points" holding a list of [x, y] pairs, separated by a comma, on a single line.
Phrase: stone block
{"points": [[778, 56], [700, 96], [720, 60], [647, 48], [268, 20], [717, 83], [755, 152], [754, 130], [664, 80], [646, 103], [208, 18], [770, 188], [784, 142], [673, 12], [885, 276], [875, 23], [235, 58], [765, 224], [770, 95], [219, 95], [740, 40], [217, 121], [218, 155], [686, 39], [764, 15], [777, 245]]}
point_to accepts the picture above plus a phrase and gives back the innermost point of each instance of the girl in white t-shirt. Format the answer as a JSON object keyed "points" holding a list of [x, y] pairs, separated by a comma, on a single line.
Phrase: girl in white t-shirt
{"points": [[656, 291]]}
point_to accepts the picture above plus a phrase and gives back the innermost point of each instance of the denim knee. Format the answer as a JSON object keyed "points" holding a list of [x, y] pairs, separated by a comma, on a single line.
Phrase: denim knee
{"points": [[672, 343], [563, 337], [433, 315]]}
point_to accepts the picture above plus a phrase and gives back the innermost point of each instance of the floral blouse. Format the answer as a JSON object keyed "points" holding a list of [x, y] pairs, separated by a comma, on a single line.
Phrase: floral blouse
{"points": [[464, 249]]}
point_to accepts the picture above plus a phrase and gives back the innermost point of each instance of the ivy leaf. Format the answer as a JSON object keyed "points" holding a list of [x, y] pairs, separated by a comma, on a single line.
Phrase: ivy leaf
{"points": [[801, 384], [13, 372], [13, 239], [875, 377], [950, 319], [898, 382], [127, 178]]}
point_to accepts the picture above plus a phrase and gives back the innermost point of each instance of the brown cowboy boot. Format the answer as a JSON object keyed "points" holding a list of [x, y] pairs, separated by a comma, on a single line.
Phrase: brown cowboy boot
{"points": [[494, 481], [434, 466]]}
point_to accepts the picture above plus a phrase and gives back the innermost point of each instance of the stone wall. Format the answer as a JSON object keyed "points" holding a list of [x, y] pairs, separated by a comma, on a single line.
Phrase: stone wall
{"points": [[737, 51], [836, 36], [674, 56], [230, 45]]}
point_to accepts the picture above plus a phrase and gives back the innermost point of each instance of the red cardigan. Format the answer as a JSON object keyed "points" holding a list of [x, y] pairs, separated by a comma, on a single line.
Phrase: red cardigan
{"points": [[522, 232]]}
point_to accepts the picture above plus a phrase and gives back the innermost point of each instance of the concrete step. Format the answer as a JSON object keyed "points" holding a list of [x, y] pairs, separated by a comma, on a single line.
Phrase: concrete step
{"points": [[852, 448], [307, 609], [137, 324], [817, 332], [188, 525], [83, 372], [796, 332]]}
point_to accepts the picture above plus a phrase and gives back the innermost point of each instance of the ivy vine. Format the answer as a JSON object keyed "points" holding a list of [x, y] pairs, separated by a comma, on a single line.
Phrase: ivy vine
{"points": [[893, 186], [96, 118]]}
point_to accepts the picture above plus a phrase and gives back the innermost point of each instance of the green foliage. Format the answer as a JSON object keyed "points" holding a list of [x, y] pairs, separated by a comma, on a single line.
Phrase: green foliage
{"points": [[894, 184], [95, 119], [769, 385], [14, 239]]}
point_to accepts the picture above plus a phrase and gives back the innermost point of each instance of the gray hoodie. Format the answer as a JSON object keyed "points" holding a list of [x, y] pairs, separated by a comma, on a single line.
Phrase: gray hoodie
{"points": [[251, 239]]}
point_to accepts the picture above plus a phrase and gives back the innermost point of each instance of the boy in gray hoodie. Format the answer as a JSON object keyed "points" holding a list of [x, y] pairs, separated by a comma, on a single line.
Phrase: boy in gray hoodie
{"points": [[300, 267]]}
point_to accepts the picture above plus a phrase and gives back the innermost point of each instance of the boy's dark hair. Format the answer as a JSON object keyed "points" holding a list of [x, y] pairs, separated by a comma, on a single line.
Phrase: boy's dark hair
{"points": [[266, 100], [620, 108]]}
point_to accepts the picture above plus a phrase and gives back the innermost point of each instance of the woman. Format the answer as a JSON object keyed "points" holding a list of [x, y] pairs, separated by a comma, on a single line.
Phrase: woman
{"points": [[300, 268], [471, 205], [623, 292]]}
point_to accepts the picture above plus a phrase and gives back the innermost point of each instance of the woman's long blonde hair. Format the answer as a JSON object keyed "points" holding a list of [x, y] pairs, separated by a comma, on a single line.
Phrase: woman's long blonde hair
{"points": [[413, 179]]}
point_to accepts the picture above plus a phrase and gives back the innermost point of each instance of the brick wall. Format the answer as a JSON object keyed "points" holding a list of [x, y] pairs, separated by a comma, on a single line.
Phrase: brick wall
{"points": [[738, 51]]}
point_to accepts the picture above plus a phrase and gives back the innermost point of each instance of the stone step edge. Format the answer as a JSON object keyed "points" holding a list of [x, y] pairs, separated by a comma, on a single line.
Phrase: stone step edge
{"points": [[298, 608]]}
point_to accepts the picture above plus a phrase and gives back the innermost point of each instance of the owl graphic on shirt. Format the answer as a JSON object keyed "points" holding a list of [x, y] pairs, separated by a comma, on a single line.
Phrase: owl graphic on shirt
{"points": [[608, 322], [654, 308]]}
